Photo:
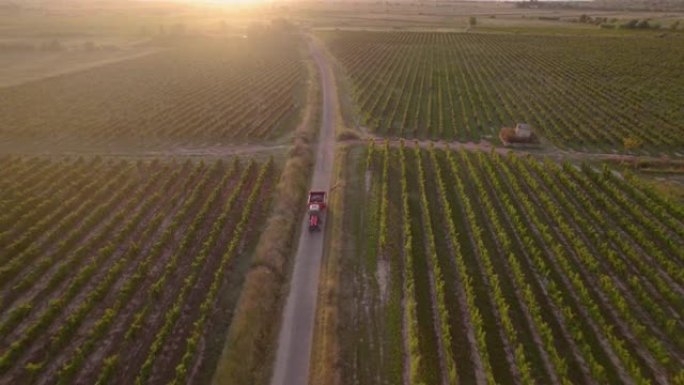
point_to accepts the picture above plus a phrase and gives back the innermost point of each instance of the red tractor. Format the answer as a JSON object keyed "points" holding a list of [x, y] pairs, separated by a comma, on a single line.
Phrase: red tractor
{"points": [[316, 207]]}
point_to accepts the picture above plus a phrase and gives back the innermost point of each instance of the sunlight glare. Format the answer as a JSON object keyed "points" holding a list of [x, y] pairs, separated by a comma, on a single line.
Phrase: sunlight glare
{"points": [[227, 2]]}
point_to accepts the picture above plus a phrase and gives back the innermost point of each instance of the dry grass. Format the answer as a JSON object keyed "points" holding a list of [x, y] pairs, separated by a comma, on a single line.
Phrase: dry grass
{"points": [[249, 350], [247, 346], [326, 346], [348, 134]]}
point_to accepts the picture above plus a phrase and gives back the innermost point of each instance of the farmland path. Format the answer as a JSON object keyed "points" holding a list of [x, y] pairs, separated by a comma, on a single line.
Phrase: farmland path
{"points": [[296, 333], [554, 153]]}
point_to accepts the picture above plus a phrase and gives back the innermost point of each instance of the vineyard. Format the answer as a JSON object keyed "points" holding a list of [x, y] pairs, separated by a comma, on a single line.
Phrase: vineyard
{"points": [[157, 258], [588, 93], [123, 271], [203, 92], [509, 270]]}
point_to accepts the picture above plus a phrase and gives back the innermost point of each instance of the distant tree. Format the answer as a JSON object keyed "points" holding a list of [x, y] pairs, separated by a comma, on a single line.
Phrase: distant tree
{"points": [[630, 24], [643, 24], [472, 22], [674, 25]]}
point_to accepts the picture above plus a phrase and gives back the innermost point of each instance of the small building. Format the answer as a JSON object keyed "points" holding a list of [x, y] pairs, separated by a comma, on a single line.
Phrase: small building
{"points": [[523, 131]]}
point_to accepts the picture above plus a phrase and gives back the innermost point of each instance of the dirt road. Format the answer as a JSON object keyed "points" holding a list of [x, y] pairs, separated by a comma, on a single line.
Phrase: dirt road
{"points": [[296, 333]]}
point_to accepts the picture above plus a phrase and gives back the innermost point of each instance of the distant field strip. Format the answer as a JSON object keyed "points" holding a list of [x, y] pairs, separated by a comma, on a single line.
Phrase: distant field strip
{"points": [[120, 271], [507, 270], [204, 92], [580, 92]]}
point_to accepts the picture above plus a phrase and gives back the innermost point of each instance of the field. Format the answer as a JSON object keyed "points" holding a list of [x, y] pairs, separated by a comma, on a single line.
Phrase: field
{"points": [[121, 271], [475, 267], [199, 92], [155, 159], [580, 92]]}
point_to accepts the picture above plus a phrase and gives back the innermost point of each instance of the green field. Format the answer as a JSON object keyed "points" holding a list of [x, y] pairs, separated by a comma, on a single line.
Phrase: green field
{"points": [[112, 264], [580, 92], [505, 269]]}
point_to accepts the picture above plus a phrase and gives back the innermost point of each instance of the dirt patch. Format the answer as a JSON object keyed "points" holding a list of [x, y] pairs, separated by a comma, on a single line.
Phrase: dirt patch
{"points": [[367, 180], [382, 276]]}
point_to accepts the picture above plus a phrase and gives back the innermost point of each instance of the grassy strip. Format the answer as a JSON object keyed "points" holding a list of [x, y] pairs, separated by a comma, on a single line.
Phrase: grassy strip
{"points": [[326, 346], [249, 350]]}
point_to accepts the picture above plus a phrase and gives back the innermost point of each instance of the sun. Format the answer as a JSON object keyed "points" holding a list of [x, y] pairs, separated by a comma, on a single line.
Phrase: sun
{"points": [[227, 2]]}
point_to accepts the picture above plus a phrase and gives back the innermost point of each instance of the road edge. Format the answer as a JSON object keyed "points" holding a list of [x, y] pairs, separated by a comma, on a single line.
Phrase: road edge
{"points": [[292, 365], [248, 352], [325, 349]]}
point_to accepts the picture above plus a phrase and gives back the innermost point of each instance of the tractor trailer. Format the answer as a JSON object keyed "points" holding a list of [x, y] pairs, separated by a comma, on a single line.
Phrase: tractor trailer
{"points": [[316, 207]]}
